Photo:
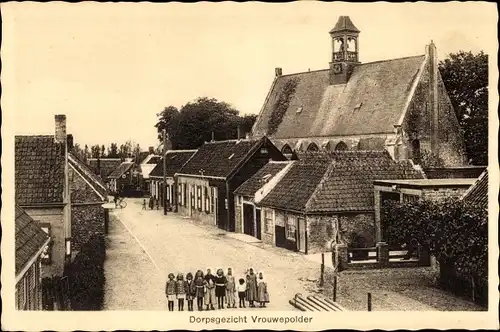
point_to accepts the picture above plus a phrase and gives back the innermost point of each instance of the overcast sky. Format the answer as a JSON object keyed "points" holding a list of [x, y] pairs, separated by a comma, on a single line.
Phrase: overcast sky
{"points": [[111, 67]]}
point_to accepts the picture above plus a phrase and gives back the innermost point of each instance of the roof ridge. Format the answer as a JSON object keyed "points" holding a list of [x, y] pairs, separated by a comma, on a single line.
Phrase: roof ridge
{"points": [[175, 151], [326, 173]]}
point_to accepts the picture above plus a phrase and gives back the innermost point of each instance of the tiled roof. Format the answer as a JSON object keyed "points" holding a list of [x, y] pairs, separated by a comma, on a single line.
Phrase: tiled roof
{"points": [[250, 186], [83, 169], [371, 102], [344, 24], [30, 238], [175, 161], [348, 184], [120, 170], [478, 192], [340, 181], [142, 156], [219, 159], [39, 170], [107, 165], [154, 160]]}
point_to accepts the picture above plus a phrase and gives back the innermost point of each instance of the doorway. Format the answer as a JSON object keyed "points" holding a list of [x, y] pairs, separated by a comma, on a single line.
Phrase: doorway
{"points": [[302, 235], [258, 222], [248, 220]]}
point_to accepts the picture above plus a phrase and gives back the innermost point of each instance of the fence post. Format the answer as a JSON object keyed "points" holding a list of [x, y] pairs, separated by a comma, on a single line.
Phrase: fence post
{"points": [[335, 288], [369, 301], [322, 279], [382, 254]]}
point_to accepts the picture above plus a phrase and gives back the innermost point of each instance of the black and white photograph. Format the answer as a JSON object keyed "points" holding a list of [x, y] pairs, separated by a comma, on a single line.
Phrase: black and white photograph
{"points": [[249, 165]]}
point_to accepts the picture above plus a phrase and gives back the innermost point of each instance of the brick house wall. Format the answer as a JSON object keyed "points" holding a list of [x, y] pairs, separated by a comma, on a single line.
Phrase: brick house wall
{"points": [[53, 217], [268, 235], [438, 194]]}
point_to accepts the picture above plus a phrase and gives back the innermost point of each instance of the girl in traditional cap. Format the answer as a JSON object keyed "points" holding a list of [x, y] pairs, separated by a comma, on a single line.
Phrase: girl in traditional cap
{"points": [[181, 291], [220, 288], [170, 291], [210, 290], [190, 290], [230, 289], [262, 294], [199, 284], [251, 288]]}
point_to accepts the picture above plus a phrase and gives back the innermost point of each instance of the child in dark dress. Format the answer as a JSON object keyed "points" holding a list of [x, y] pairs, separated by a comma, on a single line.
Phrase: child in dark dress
{"points": [[190, 291], [220, 288], [170, 291]]}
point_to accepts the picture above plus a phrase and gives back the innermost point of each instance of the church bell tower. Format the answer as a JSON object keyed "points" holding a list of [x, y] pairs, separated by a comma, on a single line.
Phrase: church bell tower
{"points": [[344, 50]]}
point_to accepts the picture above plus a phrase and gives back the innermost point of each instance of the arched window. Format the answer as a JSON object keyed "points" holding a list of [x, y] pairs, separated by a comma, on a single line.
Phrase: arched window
{"points": [[286, 149], [415, 151], [312, 147], [341, 146], [327, 146]]}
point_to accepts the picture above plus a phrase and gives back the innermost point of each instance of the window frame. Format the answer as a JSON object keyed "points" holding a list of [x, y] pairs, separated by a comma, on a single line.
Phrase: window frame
{"points": [[290, 224], [268, 228], [199, 199], [46, 260], [207, 199]]}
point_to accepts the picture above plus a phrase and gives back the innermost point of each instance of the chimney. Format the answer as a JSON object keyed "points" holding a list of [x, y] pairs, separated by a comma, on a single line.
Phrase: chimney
{"points": [[433, 100], [69, 141], [60, 134], [151, 150], [278, 72]]}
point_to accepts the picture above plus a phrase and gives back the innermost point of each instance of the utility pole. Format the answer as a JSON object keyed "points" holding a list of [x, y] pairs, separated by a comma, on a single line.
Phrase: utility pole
{"points": [[164, 172]]}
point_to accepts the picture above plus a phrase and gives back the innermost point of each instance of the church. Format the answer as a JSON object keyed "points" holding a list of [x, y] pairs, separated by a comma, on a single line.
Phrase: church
{"points": [[398, 105]]}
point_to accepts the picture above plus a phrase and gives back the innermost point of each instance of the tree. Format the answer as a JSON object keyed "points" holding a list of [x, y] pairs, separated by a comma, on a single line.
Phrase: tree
{"points": [[465, 76], [195, 122], [95, 151], [113, 151], [86, 152], [136, 152], [103, 151]]}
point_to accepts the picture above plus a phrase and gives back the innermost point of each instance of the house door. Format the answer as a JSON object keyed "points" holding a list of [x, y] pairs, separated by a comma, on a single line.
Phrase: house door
{"points": [[301, 243], [257, 221], [248, 219]]}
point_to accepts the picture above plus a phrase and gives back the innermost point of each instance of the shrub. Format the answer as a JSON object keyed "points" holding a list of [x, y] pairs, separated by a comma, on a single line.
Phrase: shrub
{"points": [[281, 105], [86, 275]]}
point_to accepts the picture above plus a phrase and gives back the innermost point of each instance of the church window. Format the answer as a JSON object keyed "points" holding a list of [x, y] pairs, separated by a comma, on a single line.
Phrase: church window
{"points": [[341, 146], [286, 149], [415, 148], [312, 147]]}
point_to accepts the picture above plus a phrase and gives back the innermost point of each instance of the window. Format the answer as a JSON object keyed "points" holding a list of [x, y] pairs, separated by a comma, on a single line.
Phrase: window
{"points": [[341, 146], [46, 255], [179, 194], [184, 194], [263, 151], [198, 198], [410, 198], [290, 228], [212, 200], [191, 192], [268, 220], [207, 200], [312, 147], [286, 149]]}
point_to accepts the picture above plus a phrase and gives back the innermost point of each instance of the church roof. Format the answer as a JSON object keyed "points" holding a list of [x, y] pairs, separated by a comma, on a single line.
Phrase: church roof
{"points": [[371, 102], [344, 24], [478, 192]]}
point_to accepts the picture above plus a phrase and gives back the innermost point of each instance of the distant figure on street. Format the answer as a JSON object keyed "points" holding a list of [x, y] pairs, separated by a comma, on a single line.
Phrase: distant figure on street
{"points": [[210, 290], [116, 198], [262, 293], [144, 206], [190, 291], [230, 289], [242, 287], [199, 284], [151, 202], [252, 288], [170, 290], [180, 291], [157, 203], [220, 288]]}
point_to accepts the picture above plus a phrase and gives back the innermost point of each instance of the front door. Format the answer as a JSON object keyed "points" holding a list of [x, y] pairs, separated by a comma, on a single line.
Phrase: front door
{"points": [[257, 221], [302, 235], [248, 219]]}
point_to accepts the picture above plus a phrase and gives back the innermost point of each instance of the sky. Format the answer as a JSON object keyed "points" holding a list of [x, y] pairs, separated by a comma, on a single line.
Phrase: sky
{"points": [[112, 67]]}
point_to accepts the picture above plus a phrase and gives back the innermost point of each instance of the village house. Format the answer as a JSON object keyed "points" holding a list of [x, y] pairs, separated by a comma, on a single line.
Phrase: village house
{"points": [[126, 178], [146, 165], [206, 183], [104, 166], [59, 192], [323, 198], [31, 241], [174, 161], [398, 105]]}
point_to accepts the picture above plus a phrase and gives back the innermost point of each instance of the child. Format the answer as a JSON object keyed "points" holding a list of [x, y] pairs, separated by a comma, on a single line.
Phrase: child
{"points": [[144, 204], [199, 284], [230, 289], [209, 290], [170, 290], [251, 288], [262, 294], [190, 291], [241, 292], [181, 291], [220, 288], [157, 203]]}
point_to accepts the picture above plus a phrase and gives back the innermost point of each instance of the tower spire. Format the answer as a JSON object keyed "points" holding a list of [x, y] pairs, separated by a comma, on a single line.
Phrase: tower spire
{"points": [[345, 51]]}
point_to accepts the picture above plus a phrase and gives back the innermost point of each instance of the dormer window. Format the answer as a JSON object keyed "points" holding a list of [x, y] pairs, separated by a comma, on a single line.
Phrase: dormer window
{"points": [[263, 150]]}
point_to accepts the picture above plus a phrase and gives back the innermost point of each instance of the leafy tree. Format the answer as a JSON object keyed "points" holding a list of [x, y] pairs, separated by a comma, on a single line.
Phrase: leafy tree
{"points": [[113, 151], [195, 122], [465, 76], [95, 151], [86, 152], [103, 151]]}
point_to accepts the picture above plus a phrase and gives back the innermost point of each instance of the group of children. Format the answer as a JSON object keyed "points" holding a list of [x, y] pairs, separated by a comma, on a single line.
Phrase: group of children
{"points": [[153, 201], [206, 288]]}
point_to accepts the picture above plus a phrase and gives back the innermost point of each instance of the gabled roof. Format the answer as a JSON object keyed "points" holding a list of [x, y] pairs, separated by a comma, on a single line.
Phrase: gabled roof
{"points": [[39, 170], [340, 181], [142, 156], [175, 160], [219, 159], [121, 169], [344, 24], [94, 181], [372, 101], [154, 159], [107, 165], [30, 239], [254, 183], [478, 192]]}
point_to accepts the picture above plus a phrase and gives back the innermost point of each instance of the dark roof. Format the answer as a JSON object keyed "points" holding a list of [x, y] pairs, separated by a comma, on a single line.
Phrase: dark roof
{"points": [[39, 170], [220, 159], [250, 186], [154, 160], [142, 155], [478, 192], [121, 169], [344, 24], [107, 165], [95, 181], [371, 102], [340, 181], [175, 161], [30, 238], [348, 184]]}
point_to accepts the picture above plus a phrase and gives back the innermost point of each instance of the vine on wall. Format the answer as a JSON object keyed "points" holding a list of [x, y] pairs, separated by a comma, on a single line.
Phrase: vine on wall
{"points": [[281, 105]]}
